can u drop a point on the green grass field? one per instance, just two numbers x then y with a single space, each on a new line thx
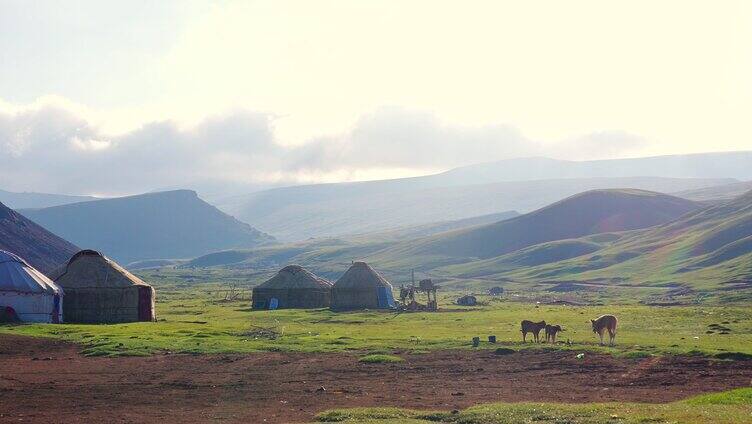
730 407
197 319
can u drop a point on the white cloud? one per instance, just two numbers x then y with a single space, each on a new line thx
48 147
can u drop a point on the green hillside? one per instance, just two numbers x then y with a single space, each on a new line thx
706 250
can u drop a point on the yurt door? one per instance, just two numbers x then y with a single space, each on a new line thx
56 309
144 304
386 300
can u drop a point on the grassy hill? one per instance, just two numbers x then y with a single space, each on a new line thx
173 224
592 212
42 249
707 250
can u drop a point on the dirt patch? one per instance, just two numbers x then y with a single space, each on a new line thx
293 387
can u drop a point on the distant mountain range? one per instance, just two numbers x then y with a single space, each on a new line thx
333 210
526 184
736 165
165 225
42 249
39 200
717 193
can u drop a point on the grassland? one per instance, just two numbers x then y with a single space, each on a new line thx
197 315
197 318
728 407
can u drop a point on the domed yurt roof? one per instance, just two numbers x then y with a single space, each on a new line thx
18 276
90 269
295 277
360 275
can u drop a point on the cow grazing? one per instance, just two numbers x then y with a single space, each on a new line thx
605 323
532 327
552 331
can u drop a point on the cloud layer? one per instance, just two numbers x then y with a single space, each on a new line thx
53 148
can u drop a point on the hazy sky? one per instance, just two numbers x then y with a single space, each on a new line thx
121 97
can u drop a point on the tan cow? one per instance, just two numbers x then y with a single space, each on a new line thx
531 327
603 323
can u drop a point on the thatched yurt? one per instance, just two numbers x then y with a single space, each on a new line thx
362 288
26 295
97 290
293 287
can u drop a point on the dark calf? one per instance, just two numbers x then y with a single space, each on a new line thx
532 327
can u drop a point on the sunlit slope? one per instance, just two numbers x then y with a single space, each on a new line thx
710 247
592 212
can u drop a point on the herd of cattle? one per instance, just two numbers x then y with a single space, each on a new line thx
601 325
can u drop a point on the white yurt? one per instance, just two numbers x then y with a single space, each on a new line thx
26 294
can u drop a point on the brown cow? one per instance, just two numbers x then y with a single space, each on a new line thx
603 323
532 327
551 331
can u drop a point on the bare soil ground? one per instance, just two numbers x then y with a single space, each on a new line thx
49 381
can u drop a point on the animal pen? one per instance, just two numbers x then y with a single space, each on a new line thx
408 295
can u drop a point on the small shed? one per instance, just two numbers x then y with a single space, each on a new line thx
495 291
467 300
292 287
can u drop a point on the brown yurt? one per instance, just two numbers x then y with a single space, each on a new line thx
361 287
292 287
98 290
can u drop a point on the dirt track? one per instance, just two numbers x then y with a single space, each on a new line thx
48 381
